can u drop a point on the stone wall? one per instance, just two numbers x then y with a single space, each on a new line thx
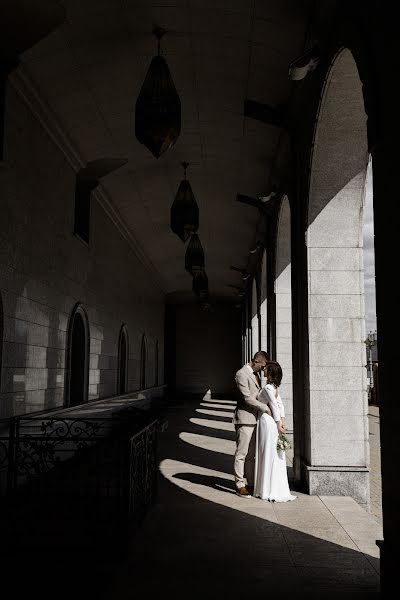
45 270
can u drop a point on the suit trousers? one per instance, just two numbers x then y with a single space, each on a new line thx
244 464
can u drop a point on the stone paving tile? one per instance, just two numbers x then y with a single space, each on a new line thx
356 522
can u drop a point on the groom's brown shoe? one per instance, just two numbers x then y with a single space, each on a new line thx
243 492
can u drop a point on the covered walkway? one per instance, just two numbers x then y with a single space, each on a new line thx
201 538
161 224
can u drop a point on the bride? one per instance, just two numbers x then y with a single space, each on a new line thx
271 481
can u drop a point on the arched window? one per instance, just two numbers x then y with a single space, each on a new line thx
143 361
123 354
156 367
77 358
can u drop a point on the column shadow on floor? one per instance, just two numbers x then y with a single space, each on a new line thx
190 545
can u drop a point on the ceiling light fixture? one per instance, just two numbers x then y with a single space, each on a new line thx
184 210
158 107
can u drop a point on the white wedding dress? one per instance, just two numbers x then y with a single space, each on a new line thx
271 480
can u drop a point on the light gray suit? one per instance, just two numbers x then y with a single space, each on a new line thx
245 421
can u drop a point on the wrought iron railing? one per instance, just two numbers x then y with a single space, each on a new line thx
100 472
35 445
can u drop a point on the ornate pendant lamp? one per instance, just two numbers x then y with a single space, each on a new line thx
184 210
194 257
158 107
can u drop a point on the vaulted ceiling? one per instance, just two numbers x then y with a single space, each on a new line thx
220 52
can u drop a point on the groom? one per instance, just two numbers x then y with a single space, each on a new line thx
248 386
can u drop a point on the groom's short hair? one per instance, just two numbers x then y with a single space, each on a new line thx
261 355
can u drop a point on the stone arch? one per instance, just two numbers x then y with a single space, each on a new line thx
335 448
77 366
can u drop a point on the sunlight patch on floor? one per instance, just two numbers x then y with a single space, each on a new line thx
214 413
222 425
215 405
217 400
209 443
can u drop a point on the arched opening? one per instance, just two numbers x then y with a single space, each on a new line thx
335 446
123 353
143 363
78 358
371 344
283 301
254 320
370 295
263 304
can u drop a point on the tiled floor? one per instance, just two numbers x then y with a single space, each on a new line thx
202 540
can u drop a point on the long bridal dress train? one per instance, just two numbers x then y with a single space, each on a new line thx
271 481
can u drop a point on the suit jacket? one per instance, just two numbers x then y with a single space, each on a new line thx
247 390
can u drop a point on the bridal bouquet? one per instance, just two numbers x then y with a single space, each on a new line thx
283 443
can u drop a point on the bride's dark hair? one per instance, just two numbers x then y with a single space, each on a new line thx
273 373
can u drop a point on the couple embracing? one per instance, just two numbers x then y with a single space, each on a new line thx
259 418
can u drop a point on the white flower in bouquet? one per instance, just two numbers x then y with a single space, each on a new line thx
283 443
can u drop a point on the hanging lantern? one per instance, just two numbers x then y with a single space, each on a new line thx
194 257
200 285
158 107
184 210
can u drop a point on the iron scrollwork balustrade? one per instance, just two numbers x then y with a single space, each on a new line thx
112 481
151 462
142 472
4 463
41 444
4 453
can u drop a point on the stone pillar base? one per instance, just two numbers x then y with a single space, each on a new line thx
338 481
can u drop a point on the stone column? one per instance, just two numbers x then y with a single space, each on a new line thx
283 295
336 457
